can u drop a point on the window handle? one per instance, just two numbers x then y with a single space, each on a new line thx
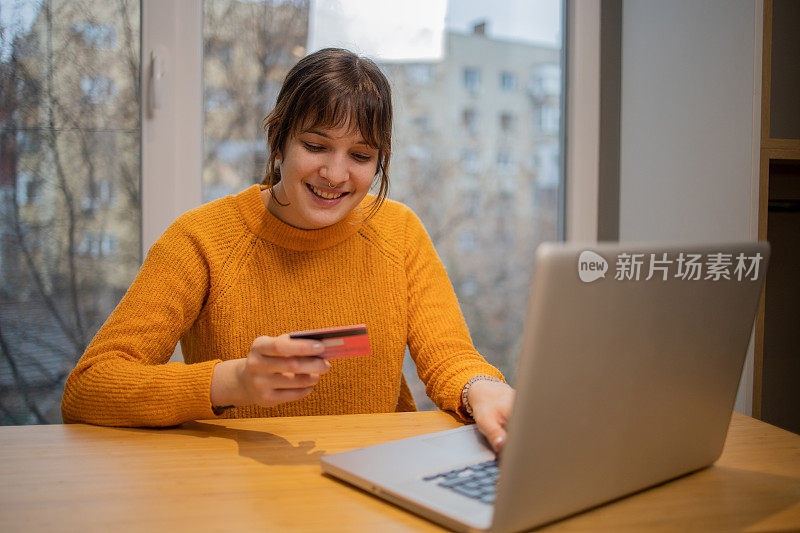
156 84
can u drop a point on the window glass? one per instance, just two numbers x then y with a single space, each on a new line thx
470 119
472 79
69 188
484 180
248 49
506 121
508 81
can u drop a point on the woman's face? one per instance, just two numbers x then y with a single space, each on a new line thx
310 163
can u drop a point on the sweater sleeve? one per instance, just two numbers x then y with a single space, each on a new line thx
123 378
438 338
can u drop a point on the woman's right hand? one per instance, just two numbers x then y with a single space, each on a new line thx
276 370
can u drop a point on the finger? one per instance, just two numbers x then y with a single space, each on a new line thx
289 395
287 346
494 432
267 364
295 381
283 346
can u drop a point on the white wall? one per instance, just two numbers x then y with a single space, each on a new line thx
691 72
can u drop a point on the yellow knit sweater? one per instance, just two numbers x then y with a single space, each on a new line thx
229 271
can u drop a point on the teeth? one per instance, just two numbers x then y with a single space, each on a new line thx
326 195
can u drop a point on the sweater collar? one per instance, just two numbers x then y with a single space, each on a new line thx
270 228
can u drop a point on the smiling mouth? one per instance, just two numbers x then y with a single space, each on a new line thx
324 195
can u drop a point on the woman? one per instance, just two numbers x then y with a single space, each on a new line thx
308 249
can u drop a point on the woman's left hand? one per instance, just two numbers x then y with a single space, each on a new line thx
491 403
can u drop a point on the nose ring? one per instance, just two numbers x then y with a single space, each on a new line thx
331 185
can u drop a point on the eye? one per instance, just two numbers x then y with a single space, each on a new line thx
362 157
311 147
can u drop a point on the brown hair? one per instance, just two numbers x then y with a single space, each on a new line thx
334 88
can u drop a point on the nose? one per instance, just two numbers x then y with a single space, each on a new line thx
335 170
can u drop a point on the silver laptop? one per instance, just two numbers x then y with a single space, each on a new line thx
629 367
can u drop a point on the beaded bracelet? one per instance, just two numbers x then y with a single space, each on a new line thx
464 395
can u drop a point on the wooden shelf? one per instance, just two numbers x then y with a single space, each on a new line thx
778 67
786 144
781 148
780 153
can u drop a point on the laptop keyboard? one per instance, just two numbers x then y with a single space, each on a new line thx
477 481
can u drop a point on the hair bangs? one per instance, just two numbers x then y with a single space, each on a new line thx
355 109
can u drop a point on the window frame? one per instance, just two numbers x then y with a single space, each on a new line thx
172 134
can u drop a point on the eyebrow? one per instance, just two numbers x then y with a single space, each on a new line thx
322 134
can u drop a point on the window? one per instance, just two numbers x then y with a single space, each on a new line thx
96 195
546 81
28 188
470 120
508 81
28 140
472 79
216 48
505 162
420 73
95 60
547 165
101 36
97 244
476 85
423 123
470 162
549 117
64 267
506 121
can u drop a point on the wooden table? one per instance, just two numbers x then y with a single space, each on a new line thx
264 475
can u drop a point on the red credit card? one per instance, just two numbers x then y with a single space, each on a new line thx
344 341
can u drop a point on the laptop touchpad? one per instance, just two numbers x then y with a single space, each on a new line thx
466 441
